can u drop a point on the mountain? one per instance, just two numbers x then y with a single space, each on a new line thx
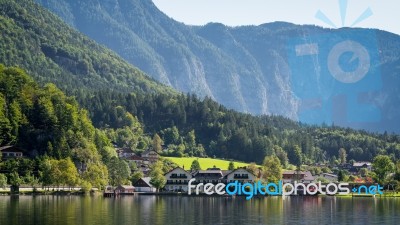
41 43
128 108
251 69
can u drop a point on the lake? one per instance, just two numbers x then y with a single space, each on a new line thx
174 210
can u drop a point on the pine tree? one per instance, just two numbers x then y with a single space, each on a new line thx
231 166
195 165
157 143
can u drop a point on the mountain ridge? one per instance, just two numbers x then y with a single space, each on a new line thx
246 68
63 53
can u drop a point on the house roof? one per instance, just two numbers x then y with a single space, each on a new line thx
178 167
213 168
148 151
226 172
208 171
126 187
146 180
10 148
329 175
307 174
124 150
232 171
5 147
291 172
360 164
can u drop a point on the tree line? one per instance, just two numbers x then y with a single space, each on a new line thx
192 126
50 124
63 148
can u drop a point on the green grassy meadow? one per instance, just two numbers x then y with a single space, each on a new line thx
204 162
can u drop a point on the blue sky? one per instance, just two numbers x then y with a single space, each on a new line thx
385 13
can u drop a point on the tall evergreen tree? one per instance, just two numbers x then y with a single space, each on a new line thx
195 165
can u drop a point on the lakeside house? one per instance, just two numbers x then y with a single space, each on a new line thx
177 180
211 175
144 185
11 152
125 189
216 176
241 175
300 176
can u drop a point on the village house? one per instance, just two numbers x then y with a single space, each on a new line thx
143 185
216 176
241 175
211 175
346 166
291 176
139 161
177 180
124 152
142 164
150 155
11 152
356 167
124 189
145 170
360 165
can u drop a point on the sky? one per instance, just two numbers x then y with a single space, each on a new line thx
380 14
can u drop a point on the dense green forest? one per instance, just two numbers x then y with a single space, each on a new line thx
61 145
41 43
228 134
53 129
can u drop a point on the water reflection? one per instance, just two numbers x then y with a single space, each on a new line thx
165 210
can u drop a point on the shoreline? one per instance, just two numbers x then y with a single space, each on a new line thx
177 194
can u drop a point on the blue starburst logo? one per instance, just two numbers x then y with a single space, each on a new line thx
343 5
334 75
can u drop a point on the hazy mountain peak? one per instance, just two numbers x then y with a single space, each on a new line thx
245 68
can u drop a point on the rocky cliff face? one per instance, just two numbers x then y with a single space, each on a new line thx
252 69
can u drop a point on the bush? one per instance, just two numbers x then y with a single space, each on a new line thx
86 187
3 181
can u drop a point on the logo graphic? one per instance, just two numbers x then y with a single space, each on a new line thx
343 4
335 75
373 189
359 52
272 189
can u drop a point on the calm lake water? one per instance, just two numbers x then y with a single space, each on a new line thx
172 210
